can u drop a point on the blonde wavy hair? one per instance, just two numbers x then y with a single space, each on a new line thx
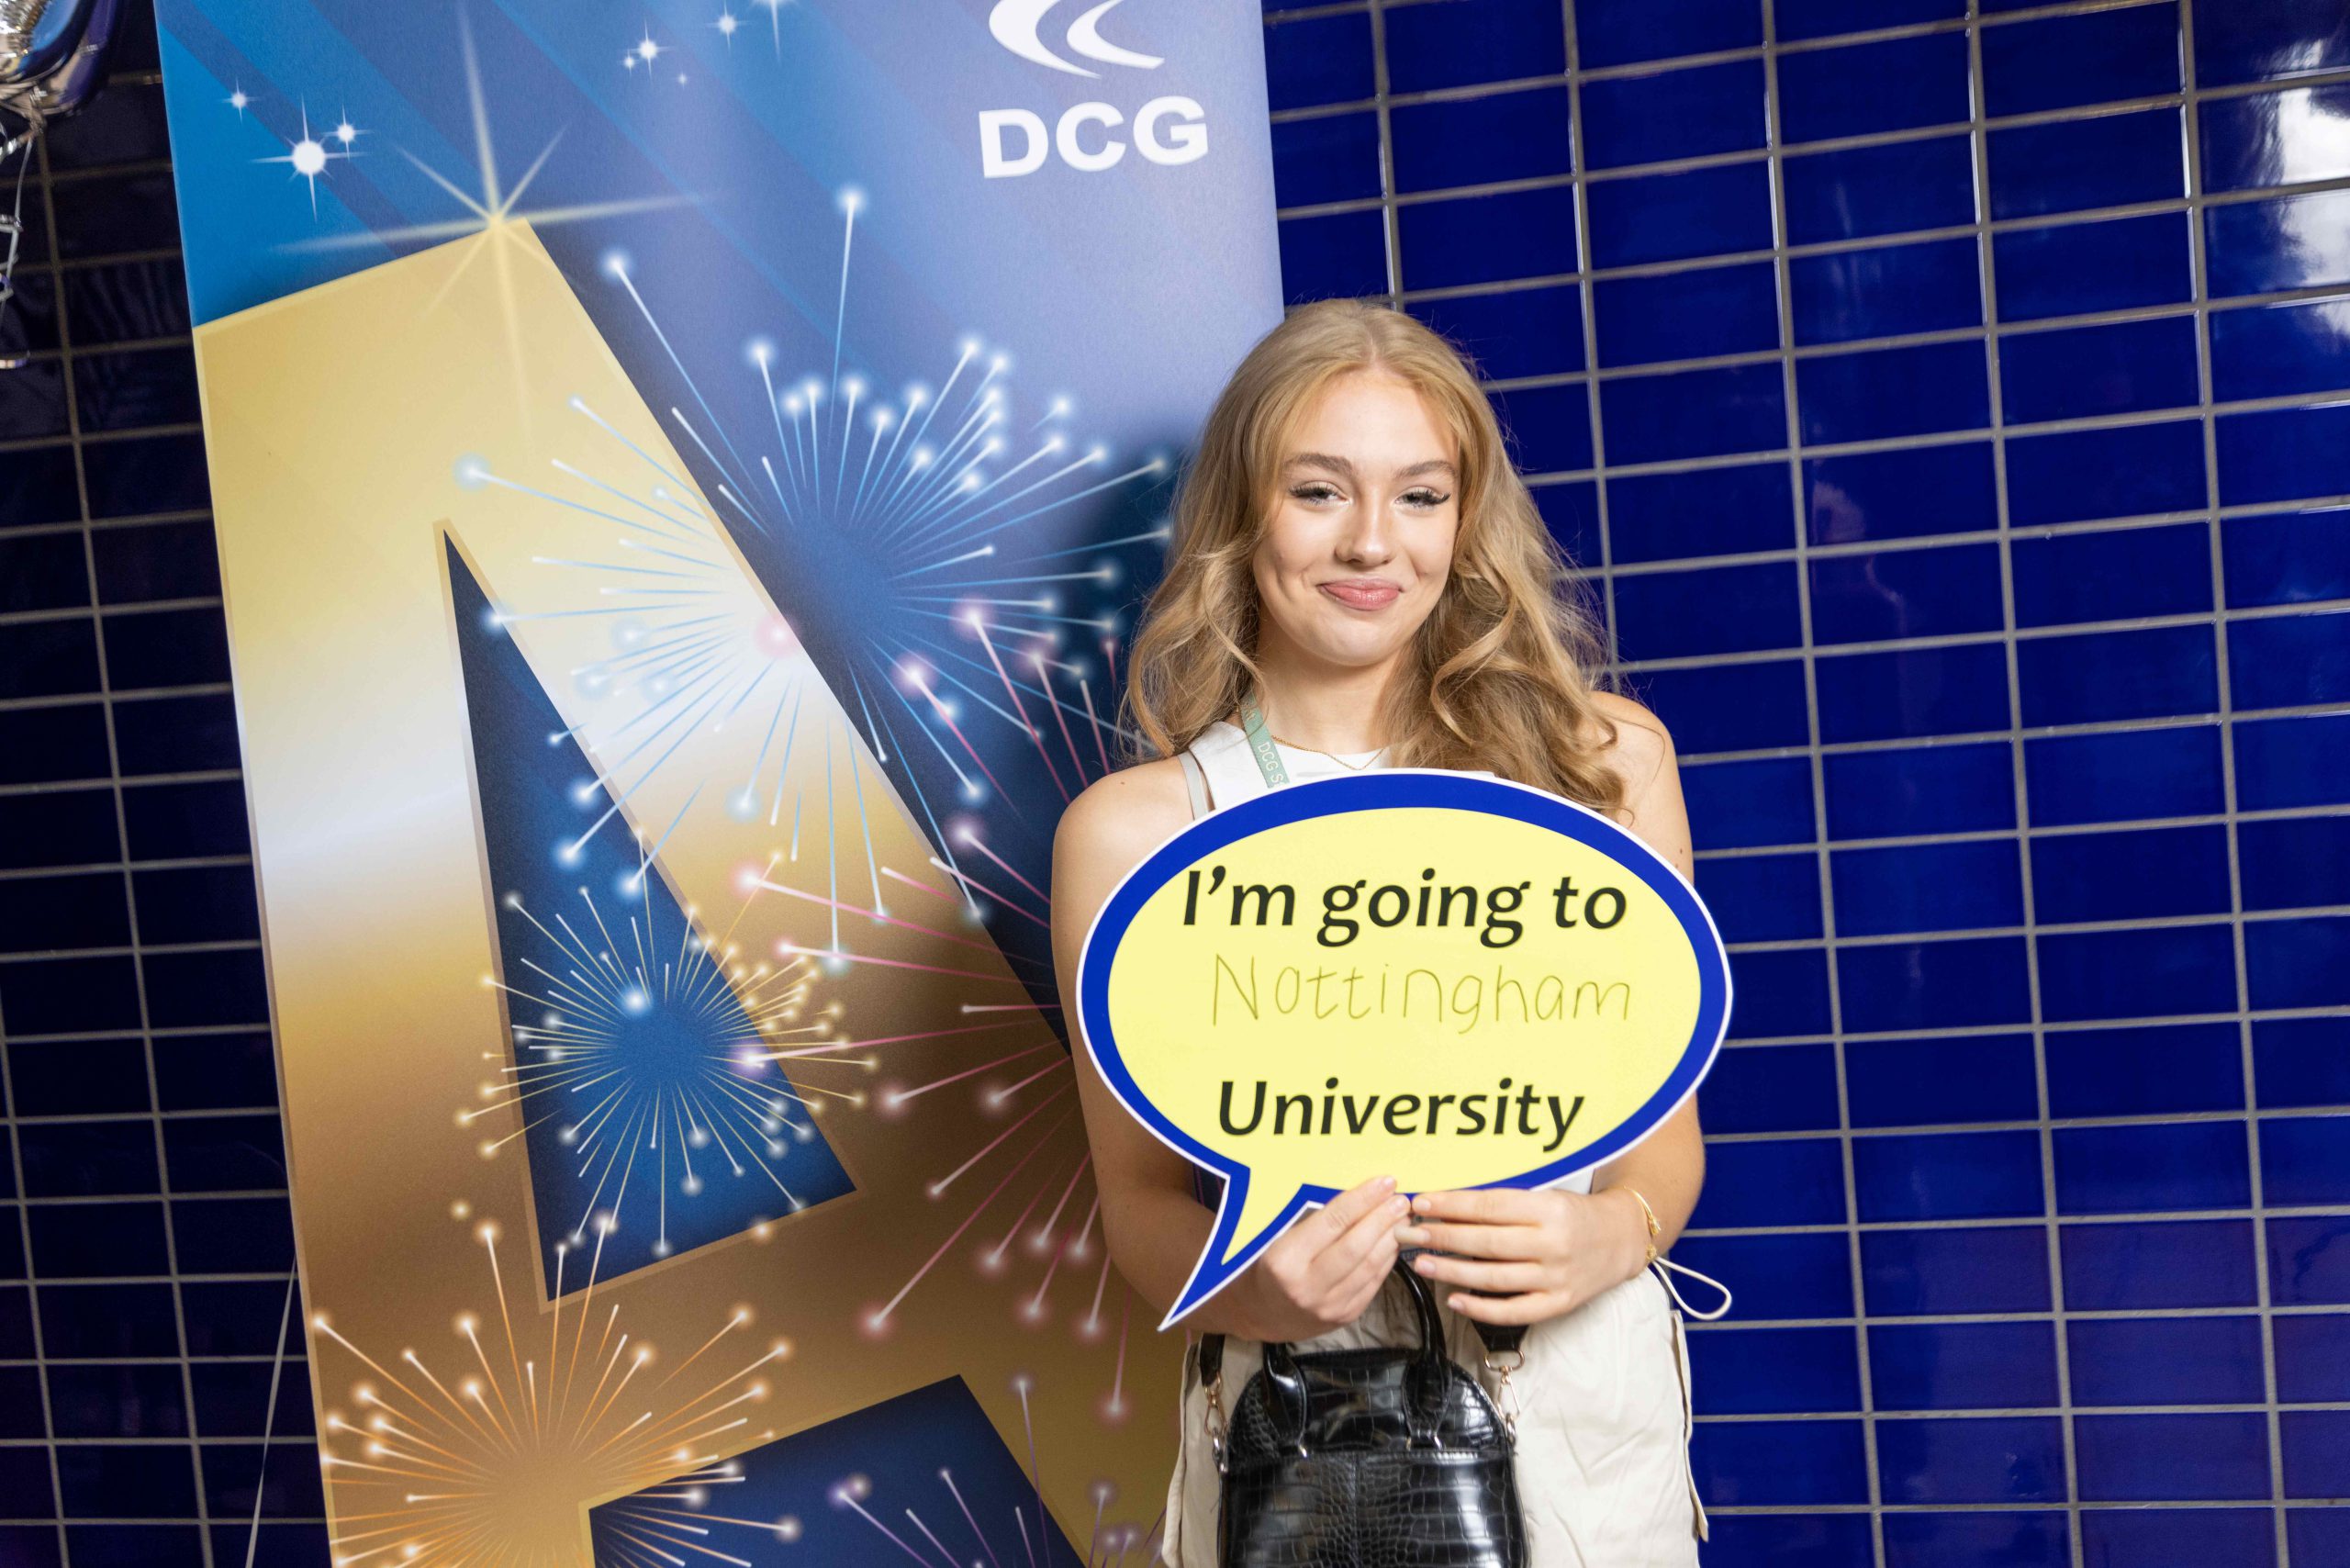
1504 666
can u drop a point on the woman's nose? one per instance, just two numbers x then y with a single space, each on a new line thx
1369 534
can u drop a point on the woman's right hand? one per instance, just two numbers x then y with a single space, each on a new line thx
1321 1272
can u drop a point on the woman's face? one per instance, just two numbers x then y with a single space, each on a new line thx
1360 543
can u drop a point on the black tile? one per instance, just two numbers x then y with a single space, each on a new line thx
183 821
31 320
78 1241
163 560
112 213
84 909
232 1400
225 1154
233 1235
193 990
59 827
87 1159
38 486
146 474
94 1399
16 1321
21 1411
167 647
290 1487
69 996
137 45
291 1543
48 658
32 400
43 571
135 1546
122 124
98 1321
216 1072
24 1481
78 1077
196 903
42 745
240 1317
133 389
122 1480
117 302
175 735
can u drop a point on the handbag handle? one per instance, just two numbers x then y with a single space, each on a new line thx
1499 1339
1280 1371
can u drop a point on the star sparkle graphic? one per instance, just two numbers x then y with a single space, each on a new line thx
308 156
493 208
774 8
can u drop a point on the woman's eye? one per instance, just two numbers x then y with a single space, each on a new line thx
1426 499
1314 493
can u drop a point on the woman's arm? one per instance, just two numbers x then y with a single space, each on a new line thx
1668 1168
1544 1253
1322 1272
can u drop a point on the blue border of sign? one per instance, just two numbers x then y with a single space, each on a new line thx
1380 790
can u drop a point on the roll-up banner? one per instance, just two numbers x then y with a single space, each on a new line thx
685 475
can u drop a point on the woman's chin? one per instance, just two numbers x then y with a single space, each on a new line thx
1351 652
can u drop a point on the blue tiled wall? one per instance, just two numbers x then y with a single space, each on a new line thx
1953 413
1951 399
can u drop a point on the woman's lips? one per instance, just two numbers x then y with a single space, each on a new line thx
1362 596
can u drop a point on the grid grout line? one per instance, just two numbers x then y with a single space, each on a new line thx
1979 170
1783 295
131 894
2198 273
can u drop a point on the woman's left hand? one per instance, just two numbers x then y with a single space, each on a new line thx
1536 1254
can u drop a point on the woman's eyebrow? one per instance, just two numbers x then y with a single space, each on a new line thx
1341 465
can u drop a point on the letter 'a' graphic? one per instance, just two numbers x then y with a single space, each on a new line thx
383 456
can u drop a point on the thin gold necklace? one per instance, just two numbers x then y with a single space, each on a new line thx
1333 757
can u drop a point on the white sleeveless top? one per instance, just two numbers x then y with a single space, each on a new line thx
1604 1424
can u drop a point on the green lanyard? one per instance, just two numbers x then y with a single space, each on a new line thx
1260 743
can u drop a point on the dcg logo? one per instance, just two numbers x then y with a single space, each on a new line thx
1169 129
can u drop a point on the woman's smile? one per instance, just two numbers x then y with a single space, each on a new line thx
1362 593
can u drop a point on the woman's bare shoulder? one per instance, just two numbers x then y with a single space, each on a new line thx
1121 817
1643 744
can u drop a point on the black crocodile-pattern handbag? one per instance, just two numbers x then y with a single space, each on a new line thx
1384 1456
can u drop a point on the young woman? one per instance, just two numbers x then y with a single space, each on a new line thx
1353 548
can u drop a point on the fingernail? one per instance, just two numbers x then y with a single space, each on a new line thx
1398 1207
1421 1203
1423 1265
1387 1184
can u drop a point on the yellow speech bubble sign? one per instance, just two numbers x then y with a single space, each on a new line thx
1452 980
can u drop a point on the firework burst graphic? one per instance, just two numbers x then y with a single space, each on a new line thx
484 1467
656 1069
979 660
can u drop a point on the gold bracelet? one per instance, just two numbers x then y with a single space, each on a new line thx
1655 1229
